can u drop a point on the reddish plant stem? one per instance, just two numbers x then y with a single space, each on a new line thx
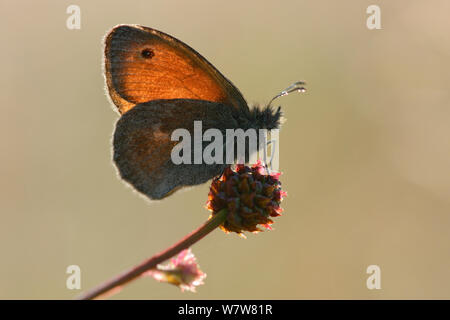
158 258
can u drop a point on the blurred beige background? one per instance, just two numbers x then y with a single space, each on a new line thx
364 154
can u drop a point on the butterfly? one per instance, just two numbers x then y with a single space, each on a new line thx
160 84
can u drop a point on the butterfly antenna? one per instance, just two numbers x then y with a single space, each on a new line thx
297 86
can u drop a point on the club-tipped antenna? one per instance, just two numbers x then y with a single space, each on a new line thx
295 87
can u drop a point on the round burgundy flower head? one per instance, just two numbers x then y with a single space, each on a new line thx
251 196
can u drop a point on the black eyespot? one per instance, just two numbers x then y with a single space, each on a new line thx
147 53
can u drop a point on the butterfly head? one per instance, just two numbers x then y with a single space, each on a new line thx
267 117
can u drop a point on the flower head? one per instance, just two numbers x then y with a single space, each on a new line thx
251 196
182 271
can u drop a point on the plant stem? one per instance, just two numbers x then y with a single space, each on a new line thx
158 258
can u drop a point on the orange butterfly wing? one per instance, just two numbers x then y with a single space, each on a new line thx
142 64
